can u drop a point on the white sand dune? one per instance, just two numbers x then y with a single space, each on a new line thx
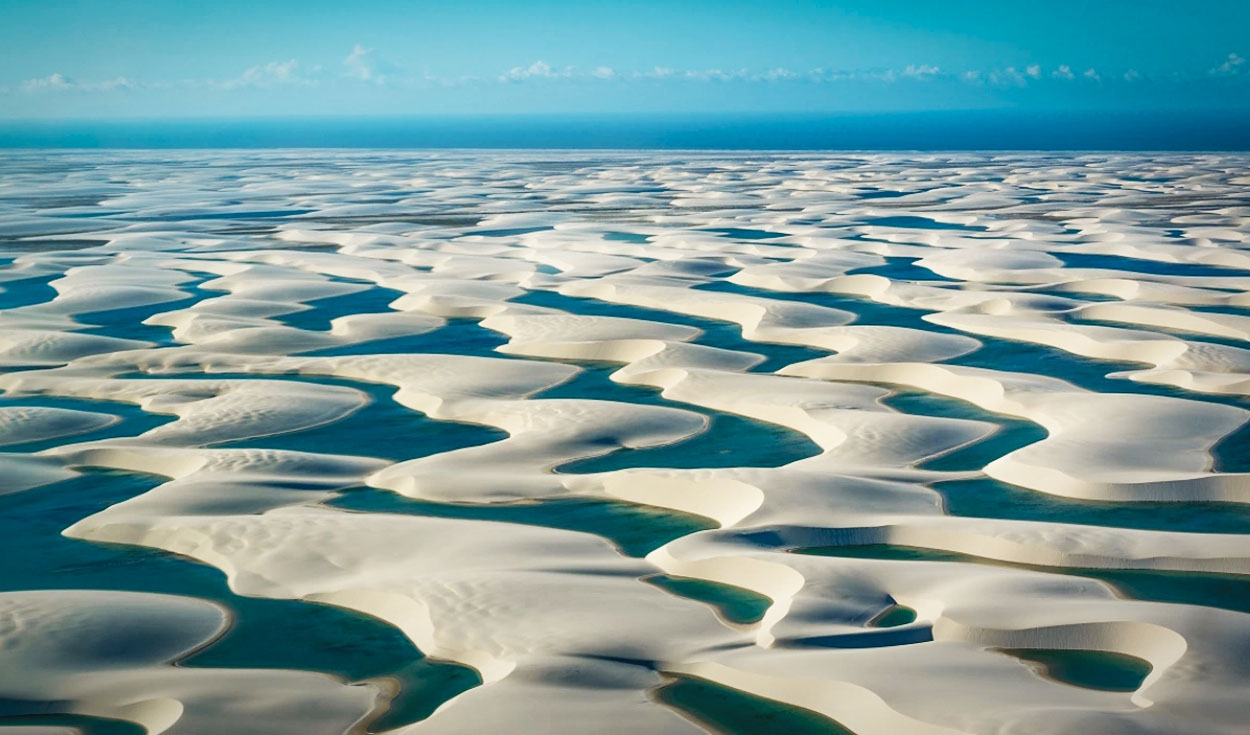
792 348
109 654
20 424
1100 446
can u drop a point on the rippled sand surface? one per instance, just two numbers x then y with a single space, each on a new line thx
459 442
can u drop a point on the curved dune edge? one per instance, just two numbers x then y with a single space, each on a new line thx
1100 446
61 655
23 424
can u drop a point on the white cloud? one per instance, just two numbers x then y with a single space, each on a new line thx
776 75
719 75
273 74
1232 65
923 71
54 82
361 66
116 83
1009 77
821 74
538 70
658 72
57 82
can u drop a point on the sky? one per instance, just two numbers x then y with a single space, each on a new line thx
62 59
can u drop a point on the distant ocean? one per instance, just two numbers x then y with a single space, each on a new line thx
980 130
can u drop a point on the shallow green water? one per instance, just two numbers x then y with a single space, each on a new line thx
1199 338
893 616
86 724
133 420
735 604
320 312
901 269
26 291
1012 432
921 223
989 498
457 337
732 712
1150 267
382 428
1232 454
127 322
385 429
1225 591
723 334
636 530
728 441
1103 670
742 233
264 633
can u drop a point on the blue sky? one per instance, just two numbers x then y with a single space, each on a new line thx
132 58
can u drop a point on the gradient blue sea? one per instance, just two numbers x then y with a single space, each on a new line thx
947 130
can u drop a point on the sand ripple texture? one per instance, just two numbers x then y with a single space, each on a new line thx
624 443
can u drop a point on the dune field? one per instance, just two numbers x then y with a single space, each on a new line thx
473 442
